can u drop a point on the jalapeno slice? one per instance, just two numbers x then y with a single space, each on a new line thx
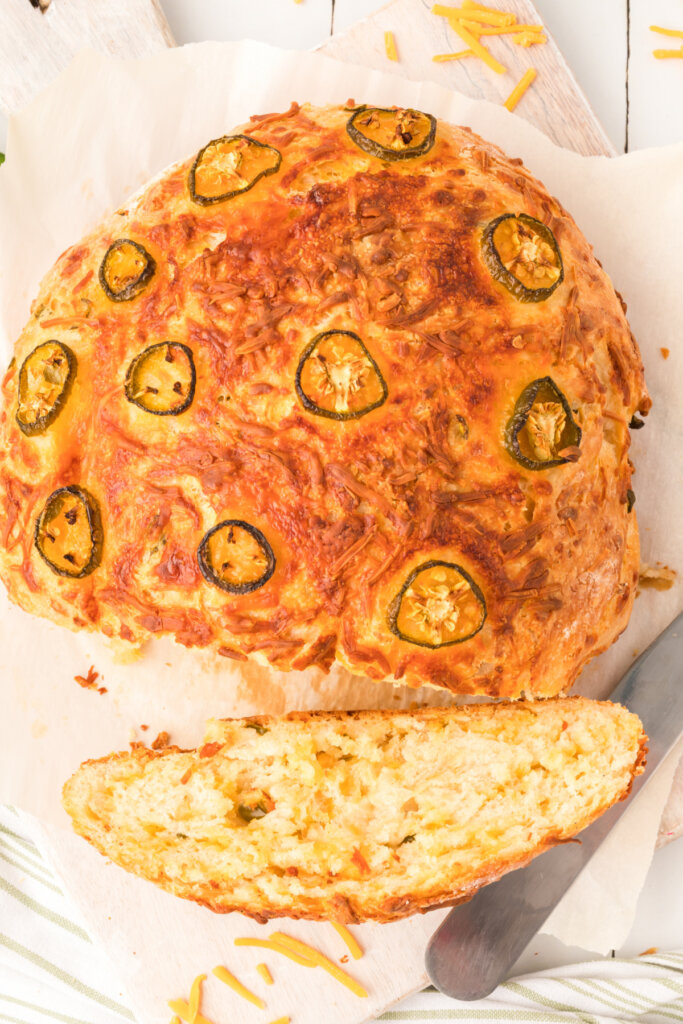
437 606
542 431
236 557
521 253
338 378
228 166
68 532
126 269
255 805
161 379
45 379
398 134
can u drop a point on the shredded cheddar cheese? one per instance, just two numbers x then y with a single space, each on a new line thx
182 1010
195 997
472 21
485 17
319 960
265 973
354 949
664 54
281 1020
268 944
439 57
519 90
675 32
529 39
476 47
228 979
390 46
306 956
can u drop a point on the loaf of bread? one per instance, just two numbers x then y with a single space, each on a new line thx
356 816
346 385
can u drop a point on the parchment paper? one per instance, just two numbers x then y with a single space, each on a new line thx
75 154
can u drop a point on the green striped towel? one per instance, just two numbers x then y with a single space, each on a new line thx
50 971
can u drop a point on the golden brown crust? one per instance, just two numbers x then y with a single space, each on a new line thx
605 735
392 251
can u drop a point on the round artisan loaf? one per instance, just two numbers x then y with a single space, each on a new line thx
349 383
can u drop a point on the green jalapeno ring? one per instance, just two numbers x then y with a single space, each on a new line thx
331 414
138 284
571 431
137 366
94 522
376 149
504 276
395 606
41 423
209 572
203 200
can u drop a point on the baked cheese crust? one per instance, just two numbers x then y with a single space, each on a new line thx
353 337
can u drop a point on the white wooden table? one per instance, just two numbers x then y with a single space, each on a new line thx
639 101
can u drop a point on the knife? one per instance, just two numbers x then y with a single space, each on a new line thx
474 948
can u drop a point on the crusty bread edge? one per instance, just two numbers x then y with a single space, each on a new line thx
339 908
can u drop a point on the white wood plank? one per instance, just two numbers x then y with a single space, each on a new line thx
655 86
35 47
593 39
280 22
555 103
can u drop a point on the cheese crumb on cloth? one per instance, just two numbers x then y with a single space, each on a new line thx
50 970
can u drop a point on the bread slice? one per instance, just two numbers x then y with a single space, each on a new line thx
356 816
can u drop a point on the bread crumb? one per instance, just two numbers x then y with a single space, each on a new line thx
665 353
648 952
161 741
655 577
88 682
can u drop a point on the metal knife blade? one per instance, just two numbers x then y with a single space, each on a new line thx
475 947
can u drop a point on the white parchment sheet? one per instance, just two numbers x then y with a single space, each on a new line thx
75 154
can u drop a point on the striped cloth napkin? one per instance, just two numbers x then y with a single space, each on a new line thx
51 971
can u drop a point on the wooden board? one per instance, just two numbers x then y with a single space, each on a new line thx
35 45
555 103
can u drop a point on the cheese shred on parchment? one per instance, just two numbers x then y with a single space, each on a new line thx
265 973
224 975
306 956
519 90
664 54
353 947
195 996
390 46
182 1009
675 32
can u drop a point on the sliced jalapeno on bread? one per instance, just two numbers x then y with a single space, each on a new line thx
45 379
437 606
236 557
338 378
161 379
542 431
395 134
255 805
68 532
126 270
521 253
228 166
